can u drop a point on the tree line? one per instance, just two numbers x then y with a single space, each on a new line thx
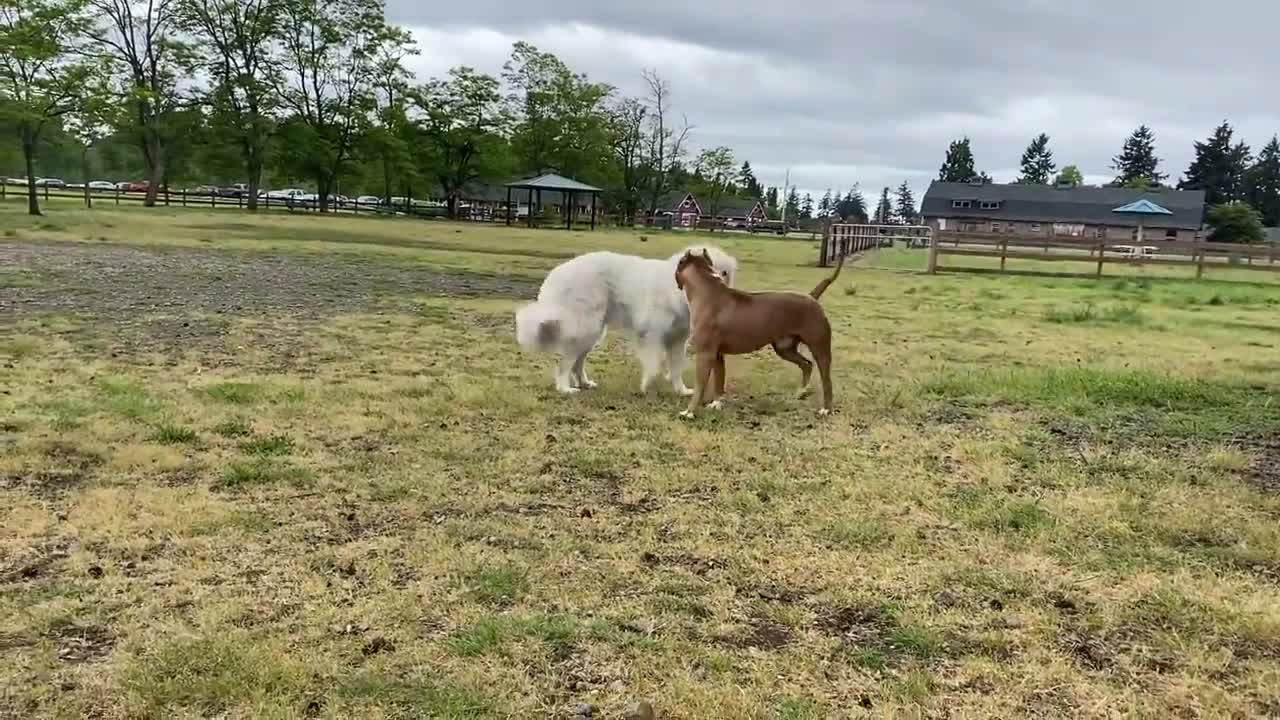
1242 191
319 92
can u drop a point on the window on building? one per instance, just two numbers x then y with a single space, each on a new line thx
1100 232
1171 234
989 205
1035 227
961 204
995 227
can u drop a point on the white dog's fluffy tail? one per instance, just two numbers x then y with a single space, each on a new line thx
538 326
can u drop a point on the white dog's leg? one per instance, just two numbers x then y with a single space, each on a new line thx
564 375
580 373
649 353
675 368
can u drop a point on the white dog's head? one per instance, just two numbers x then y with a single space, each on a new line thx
723 262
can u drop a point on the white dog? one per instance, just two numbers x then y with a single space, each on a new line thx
584 296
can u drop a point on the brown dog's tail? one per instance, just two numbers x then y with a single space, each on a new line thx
826 283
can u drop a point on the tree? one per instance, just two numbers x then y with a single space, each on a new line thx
716 172
906 205
884 211
1264 184
826 205
1235 223
392 139
629 145
806 207
853 206
750 185
139 35
1219 168
1069 177
771 200
463 127
666 143
234 48
560 115
1037 162
43 74
328 67
958 166
1137 160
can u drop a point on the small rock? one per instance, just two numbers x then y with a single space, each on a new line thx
865 702
585 710
95 572
642 710
584 512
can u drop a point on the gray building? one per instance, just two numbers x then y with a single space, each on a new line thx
1049 211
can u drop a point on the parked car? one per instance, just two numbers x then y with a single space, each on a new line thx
769 226
368 200
123 186
102 185
138 186
235 191
15 181
285 194
203 190
50 182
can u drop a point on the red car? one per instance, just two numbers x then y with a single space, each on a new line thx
140 186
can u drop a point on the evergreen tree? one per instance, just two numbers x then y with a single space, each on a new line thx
906 207
884 211
1137 160
771 199
825 205
750 185
1219 168
1070 176
806 207
1235 222
1037 162
958 167
853 207
1264 184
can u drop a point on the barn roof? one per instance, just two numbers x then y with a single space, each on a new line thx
1045 203
552 181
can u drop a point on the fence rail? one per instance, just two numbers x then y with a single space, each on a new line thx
1101 252
844 239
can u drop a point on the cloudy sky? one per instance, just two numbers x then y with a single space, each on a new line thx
872 91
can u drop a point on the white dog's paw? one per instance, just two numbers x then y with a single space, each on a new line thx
684 392
686 414
569 390
588 384
715 405
824 412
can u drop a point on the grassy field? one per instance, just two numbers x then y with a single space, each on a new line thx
295 467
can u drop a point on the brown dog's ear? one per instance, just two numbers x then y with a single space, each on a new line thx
706 254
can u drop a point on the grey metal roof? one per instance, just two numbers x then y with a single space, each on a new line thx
552 181
1273 234
1045 203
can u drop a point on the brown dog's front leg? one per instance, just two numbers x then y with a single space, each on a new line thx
701 380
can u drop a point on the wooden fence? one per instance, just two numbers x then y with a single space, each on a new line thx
1100 252
844 239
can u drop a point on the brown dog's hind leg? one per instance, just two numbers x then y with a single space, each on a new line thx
792 355
821 349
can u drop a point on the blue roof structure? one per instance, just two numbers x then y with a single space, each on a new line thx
1143 207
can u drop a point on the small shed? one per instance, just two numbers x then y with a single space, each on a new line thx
554 183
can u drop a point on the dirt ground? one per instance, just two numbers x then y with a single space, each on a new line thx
176 298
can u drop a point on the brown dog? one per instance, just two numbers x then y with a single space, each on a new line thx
724 321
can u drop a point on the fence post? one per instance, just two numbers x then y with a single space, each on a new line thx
166 194
1200 262
46 193
181 198
826 245
1102 251
933 255
1004 251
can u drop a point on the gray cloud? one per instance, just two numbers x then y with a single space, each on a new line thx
872 91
